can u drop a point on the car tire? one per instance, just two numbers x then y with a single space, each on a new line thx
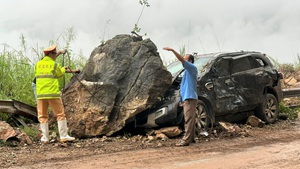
268 110
203 119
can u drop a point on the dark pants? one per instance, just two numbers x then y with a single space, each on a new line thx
189 110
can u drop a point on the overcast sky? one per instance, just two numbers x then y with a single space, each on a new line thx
203 26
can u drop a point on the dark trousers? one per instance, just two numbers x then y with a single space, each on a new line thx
189 110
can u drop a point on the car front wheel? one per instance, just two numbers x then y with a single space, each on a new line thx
202 118
268 110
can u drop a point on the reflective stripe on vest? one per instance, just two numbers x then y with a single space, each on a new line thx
46 76
48 96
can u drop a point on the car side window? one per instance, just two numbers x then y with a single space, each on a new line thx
254 62
222 67
262 63
240 64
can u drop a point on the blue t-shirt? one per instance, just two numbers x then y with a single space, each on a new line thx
188 86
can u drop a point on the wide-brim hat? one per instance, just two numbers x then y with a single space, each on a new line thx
49 49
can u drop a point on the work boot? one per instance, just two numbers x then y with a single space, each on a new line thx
63 131
45 133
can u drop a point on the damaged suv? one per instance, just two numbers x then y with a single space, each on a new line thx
231 86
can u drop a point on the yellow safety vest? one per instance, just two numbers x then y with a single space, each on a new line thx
47 73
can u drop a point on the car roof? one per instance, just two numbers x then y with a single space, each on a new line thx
213 56
230 54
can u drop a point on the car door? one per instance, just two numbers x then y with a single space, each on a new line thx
225 93
262 79
247 77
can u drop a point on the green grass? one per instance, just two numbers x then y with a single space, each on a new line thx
17 67
4 116
291 113
17 74
7 144
31 132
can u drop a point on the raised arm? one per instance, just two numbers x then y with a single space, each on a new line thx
179 57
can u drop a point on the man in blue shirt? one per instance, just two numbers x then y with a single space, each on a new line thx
188 95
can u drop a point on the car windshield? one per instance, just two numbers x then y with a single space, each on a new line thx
199 62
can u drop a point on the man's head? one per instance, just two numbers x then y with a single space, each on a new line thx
50 50
189 58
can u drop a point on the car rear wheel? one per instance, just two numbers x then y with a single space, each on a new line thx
268 110
202 118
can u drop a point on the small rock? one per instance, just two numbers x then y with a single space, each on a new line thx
151 138
255 122
162 136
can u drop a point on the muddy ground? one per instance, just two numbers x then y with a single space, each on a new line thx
273 146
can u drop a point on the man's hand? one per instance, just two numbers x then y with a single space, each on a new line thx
67 69
180 104
63 51
76 71
168 49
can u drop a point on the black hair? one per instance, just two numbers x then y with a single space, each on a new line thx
191 58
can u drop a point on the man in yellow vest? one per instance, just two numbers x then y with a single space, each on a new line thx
47 73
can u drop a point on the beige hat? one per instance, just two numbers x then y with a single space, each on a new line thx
49 49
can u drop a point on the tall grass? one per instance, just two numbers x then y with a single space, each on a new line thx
16 74
17 66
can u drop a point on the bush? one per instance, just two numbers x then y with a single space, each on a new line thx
286 68
291 113
4 116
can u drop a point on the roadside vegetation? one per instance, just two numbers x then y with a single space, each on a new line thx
17 73
288 69
17 66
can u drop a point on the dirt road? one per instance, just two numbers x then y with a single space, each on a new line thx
276 146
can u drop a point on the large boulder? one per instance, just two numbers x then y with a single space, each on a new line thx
122 78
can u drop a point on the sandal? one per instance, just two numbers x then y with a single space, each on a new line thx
182 143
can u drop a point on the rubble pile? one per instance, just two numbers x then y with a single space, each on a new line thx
291 80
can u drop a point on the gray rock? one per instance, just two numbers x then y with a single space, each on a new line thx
122 78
